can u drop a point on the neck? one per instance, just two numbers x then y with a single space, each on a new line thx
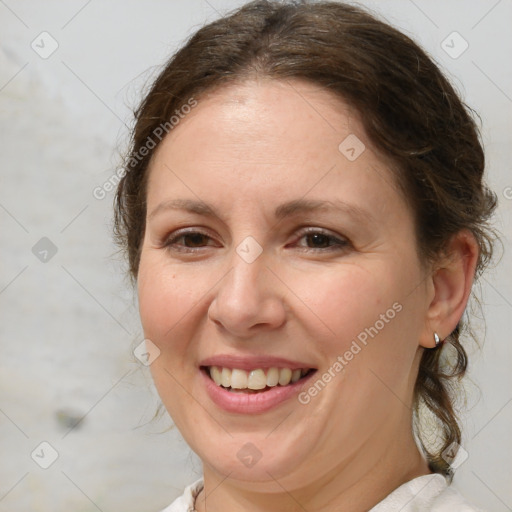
354 485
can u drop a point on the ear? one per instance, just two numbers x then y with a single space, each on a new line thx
451 283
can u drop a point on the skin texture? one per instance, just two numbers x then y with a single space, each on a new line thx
246 149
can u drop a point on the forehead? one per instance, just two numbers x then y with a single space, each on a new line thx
256 117
258 139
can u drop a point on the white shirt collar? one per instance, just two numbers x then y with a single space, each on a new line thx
424 493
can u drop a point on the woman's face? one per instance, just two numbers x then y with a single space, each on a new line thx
276 242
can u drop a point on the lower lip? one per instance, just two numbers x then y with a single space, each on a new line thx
251 403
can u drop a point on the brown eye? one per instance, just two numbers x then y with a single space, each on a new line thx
194 239
317 240
188 241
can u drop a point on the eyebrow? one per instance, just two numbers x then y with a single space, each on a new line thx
288 209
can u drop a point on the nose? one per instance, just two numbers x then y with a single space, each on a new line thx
248 299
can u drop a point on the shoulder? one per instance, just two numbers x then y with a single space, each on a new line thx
185 502
425 493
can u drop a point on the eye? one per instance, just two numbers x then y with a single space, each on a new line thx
190 241
321 240
315 240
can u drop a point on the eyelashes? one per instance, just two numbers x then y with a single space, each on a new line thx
194 236
322 237
195 241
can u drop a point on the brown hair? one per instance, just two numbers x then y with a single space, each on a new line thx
409 111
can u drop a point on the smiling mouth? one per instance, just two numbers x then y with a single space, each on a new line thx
254 381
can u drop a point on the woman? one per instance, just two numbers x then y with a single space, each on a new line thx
304 216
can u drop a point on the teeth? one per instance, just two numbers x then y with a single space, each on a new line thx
216 375
238 379
296 375
255 379
226 377
272 377
285 376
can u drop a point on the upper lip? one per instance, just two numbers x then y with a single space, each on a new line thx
252 362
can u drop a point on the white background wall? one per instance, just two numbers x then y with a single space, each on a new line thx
68 325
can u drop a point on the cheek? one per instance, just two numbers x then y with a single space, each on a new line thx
373 323
375 326
168 299
166 296
344 300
